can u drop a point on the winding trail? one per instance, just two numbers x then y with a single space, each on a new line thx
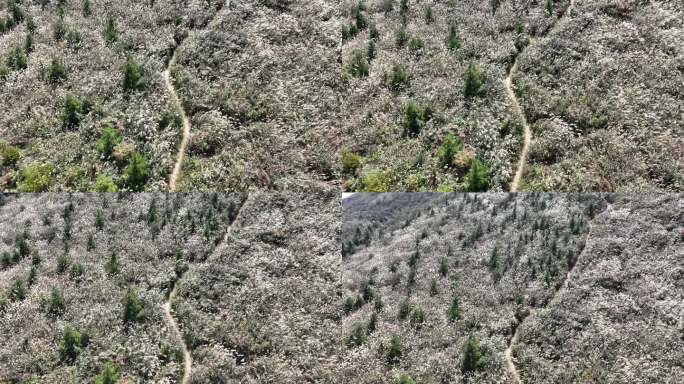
508 84
187 358
527 136
508 354
184 117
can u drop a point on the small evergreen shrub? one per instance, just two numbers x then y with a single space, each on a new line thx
474 82
359 67
109 139
454 310
477 179
71 344
351 162
472 356
110 32
394 351
134 76
109 375
56 71
137 172
358 336
105 183
415 118
56 305
133 307
451 146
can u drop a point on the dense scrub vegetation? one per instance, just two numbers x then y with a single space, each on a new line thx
435 75
69 70
602 93
91 272
437 285
261 84
368 95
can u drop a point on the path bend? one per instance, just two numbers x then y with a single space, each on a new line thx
185 138
527 135
173 325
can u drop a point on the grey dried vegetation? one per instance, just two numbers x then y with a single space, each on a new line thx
366 95
85 281
513 288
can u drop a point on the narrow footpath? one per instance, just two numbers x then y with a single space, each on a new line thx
527 135
508 354
185 138
187 358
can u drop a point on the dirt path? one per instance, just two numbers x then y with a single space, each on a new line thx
184 117
508 354
187 358
508 84
186 122
527 136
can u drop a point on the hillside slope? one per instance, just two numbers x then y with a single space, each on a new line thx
525 273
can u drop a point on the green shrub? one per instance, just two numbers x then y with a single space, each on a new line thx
133 307
77 270
417 316
63 263
358 336
359 67
74 38
378 181
35 178
451 146
109 139
403 7
87 7
454 39
134 76
72 112
18 59
350 163
105 183
401 37
472 356
28 43
549 7
137 172
394 351
416 44
59 29
474 82
454 310
415 118
398 79
56 305
110 32
429 15
18 290
371 50
477 179
113 266
433 287
405 379
71 344
56 71
109 375
443 266
9 155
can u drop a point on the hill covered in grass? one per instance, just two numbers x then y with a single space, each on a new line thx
531 288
